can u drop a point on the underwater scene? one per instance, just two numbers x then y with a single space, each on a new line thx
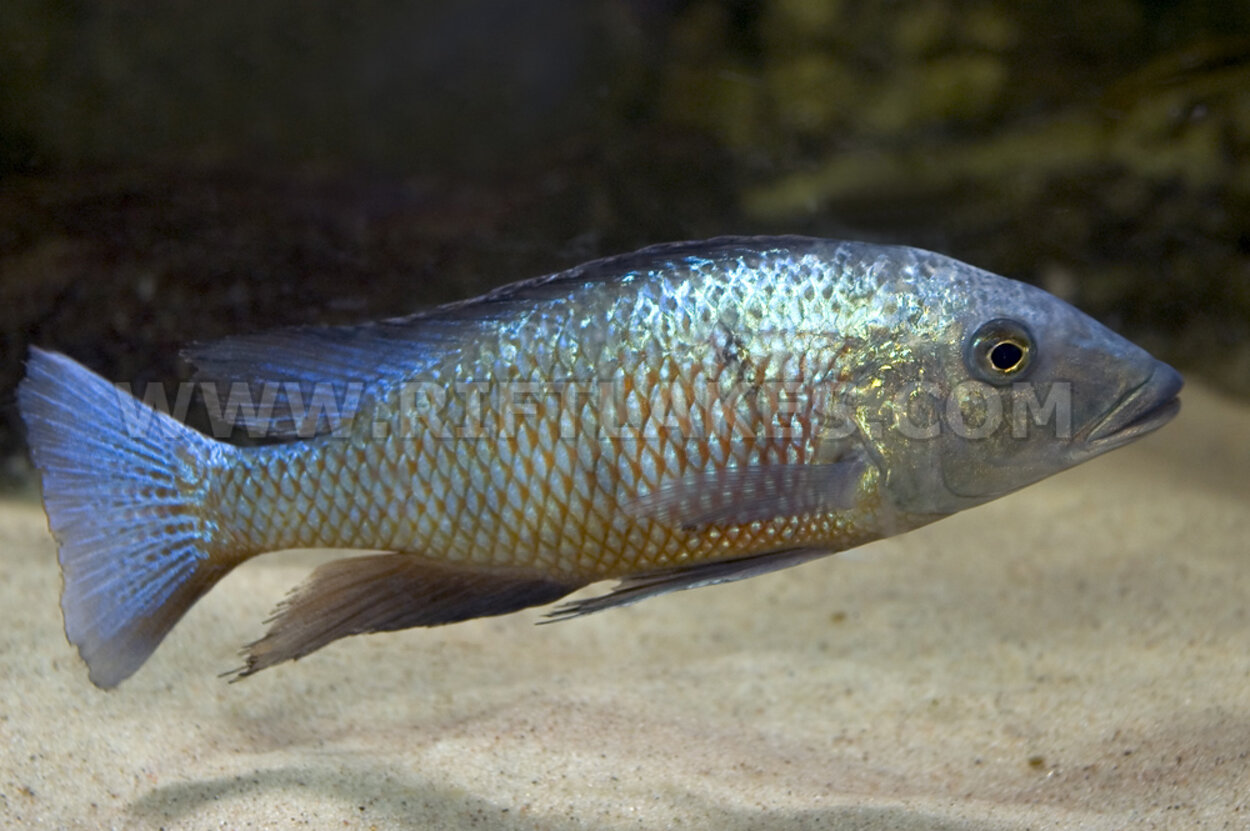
806 277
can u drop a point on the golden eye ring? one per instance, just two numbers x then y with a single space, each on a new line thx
1000 351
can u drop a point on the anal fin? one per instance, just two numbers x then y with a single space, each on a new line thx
385 592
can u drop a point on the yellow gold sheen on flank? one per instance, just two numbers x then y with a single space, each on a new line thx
535 500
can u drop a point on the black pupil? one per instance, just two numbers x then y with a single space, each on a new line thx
1006 356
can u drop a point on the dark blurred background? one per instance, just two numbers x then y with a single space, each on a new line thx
178 171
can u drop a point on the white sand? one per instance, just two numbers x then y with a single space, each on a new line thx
1074 656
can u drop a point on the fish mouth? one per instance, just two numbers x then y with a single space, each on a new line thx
1145 408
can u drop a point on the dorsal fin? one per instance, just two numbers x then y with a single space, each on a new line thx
352 364
668 257
404 344
358 362
360 353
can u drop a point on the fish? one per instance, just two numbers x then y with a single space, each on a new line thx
688 414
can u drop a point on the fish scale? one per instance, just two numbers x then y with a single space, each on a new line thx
685 415
506 484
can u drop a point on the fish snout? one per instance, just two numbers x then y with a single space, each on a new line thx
1144 409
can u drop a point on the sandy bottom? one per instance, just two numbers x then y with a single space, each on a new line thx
1074 656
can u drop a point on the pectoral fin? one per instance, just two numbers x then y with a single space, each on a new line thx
385 592
641 586
750 493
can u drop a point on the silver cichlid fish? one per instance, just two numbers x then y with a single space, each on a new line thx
684 415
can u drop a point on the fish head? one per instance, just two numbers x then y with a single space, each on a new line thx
1005 385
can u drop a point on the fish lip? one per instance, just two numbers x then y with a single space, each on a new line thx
1144 409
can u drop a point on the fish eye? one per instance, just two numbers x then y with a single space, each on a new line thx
1000 351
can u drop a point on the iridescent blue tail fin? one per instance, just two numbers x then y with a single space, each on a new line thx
124 488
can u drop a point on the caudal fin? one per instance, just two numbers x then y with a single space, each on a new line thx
124 488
